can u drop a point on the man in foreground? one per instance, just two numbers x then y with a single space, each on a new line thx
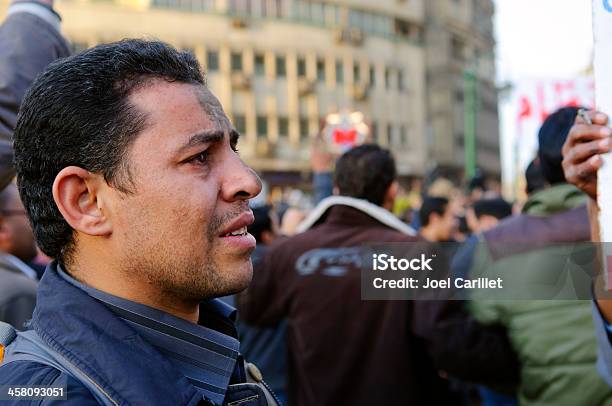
128 168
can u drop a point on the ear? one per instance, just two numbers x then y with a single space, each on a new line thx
77 195
390 195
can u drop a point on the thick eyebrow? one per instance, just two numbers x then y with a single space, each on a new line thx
205 137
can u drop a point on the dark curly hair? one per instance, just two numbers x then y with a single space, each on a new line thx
365 172
78 113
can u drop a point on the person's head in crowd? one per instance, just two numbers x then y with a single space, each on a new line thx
127 166
441 187
367 172
437 219
477 186
534 178
551 137
265 228
462 231
484 214
16 237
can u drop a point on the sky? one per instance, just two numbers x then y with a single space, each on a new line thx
543 38
537 39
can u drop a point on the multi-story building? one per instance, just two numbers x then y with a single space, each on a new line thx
462 113
280 66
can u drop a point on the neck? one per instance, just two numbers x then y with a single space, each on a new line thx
114 282
429 233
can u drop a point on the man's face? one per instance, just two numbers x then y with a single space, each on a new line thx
190 190
16 236
447 224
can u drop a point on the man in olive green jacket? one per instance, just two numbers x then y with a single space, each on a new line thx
554 339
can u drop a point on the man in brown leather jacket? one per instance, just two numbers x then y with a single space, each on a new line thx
342 350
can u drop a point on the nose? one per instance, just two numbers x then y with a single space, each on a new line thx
240 181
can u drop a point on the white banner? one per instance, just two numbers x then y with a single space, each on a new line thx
531 101
602 35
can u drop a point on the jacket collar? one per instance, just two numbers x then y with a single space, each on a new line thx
376 212
554 199
106 349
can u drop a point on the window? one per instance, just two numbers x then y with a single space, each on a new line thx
458 49
372 76
339 73
278 8
387 78
262 126
400 81
240 123
303 128
236 61
390 140
301 67
374 129
318 13
459 95
404 136
212 61
401 27
283 126
356 73
332 15
281 67
321 70
260 65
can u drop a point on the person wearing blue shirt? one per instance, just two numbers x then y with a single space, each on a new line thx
128 168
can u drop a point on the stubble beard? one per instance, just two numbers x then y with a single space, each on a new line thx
190 277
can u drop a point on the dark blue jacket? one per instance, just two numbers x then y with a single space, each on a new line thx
105 348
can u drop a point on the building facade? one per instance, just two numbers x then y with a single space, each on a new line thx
280 66
462 112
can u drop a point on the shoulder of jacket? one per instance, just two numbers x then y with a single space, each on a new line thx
17 282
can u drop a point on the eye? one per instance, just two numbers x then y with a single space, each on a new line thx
201 158
234 145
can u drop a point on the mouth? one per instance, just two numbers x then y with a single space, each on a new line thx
235 236
238 227
241 232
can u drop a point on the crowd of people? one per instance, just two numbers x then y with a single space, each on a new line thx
129 237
